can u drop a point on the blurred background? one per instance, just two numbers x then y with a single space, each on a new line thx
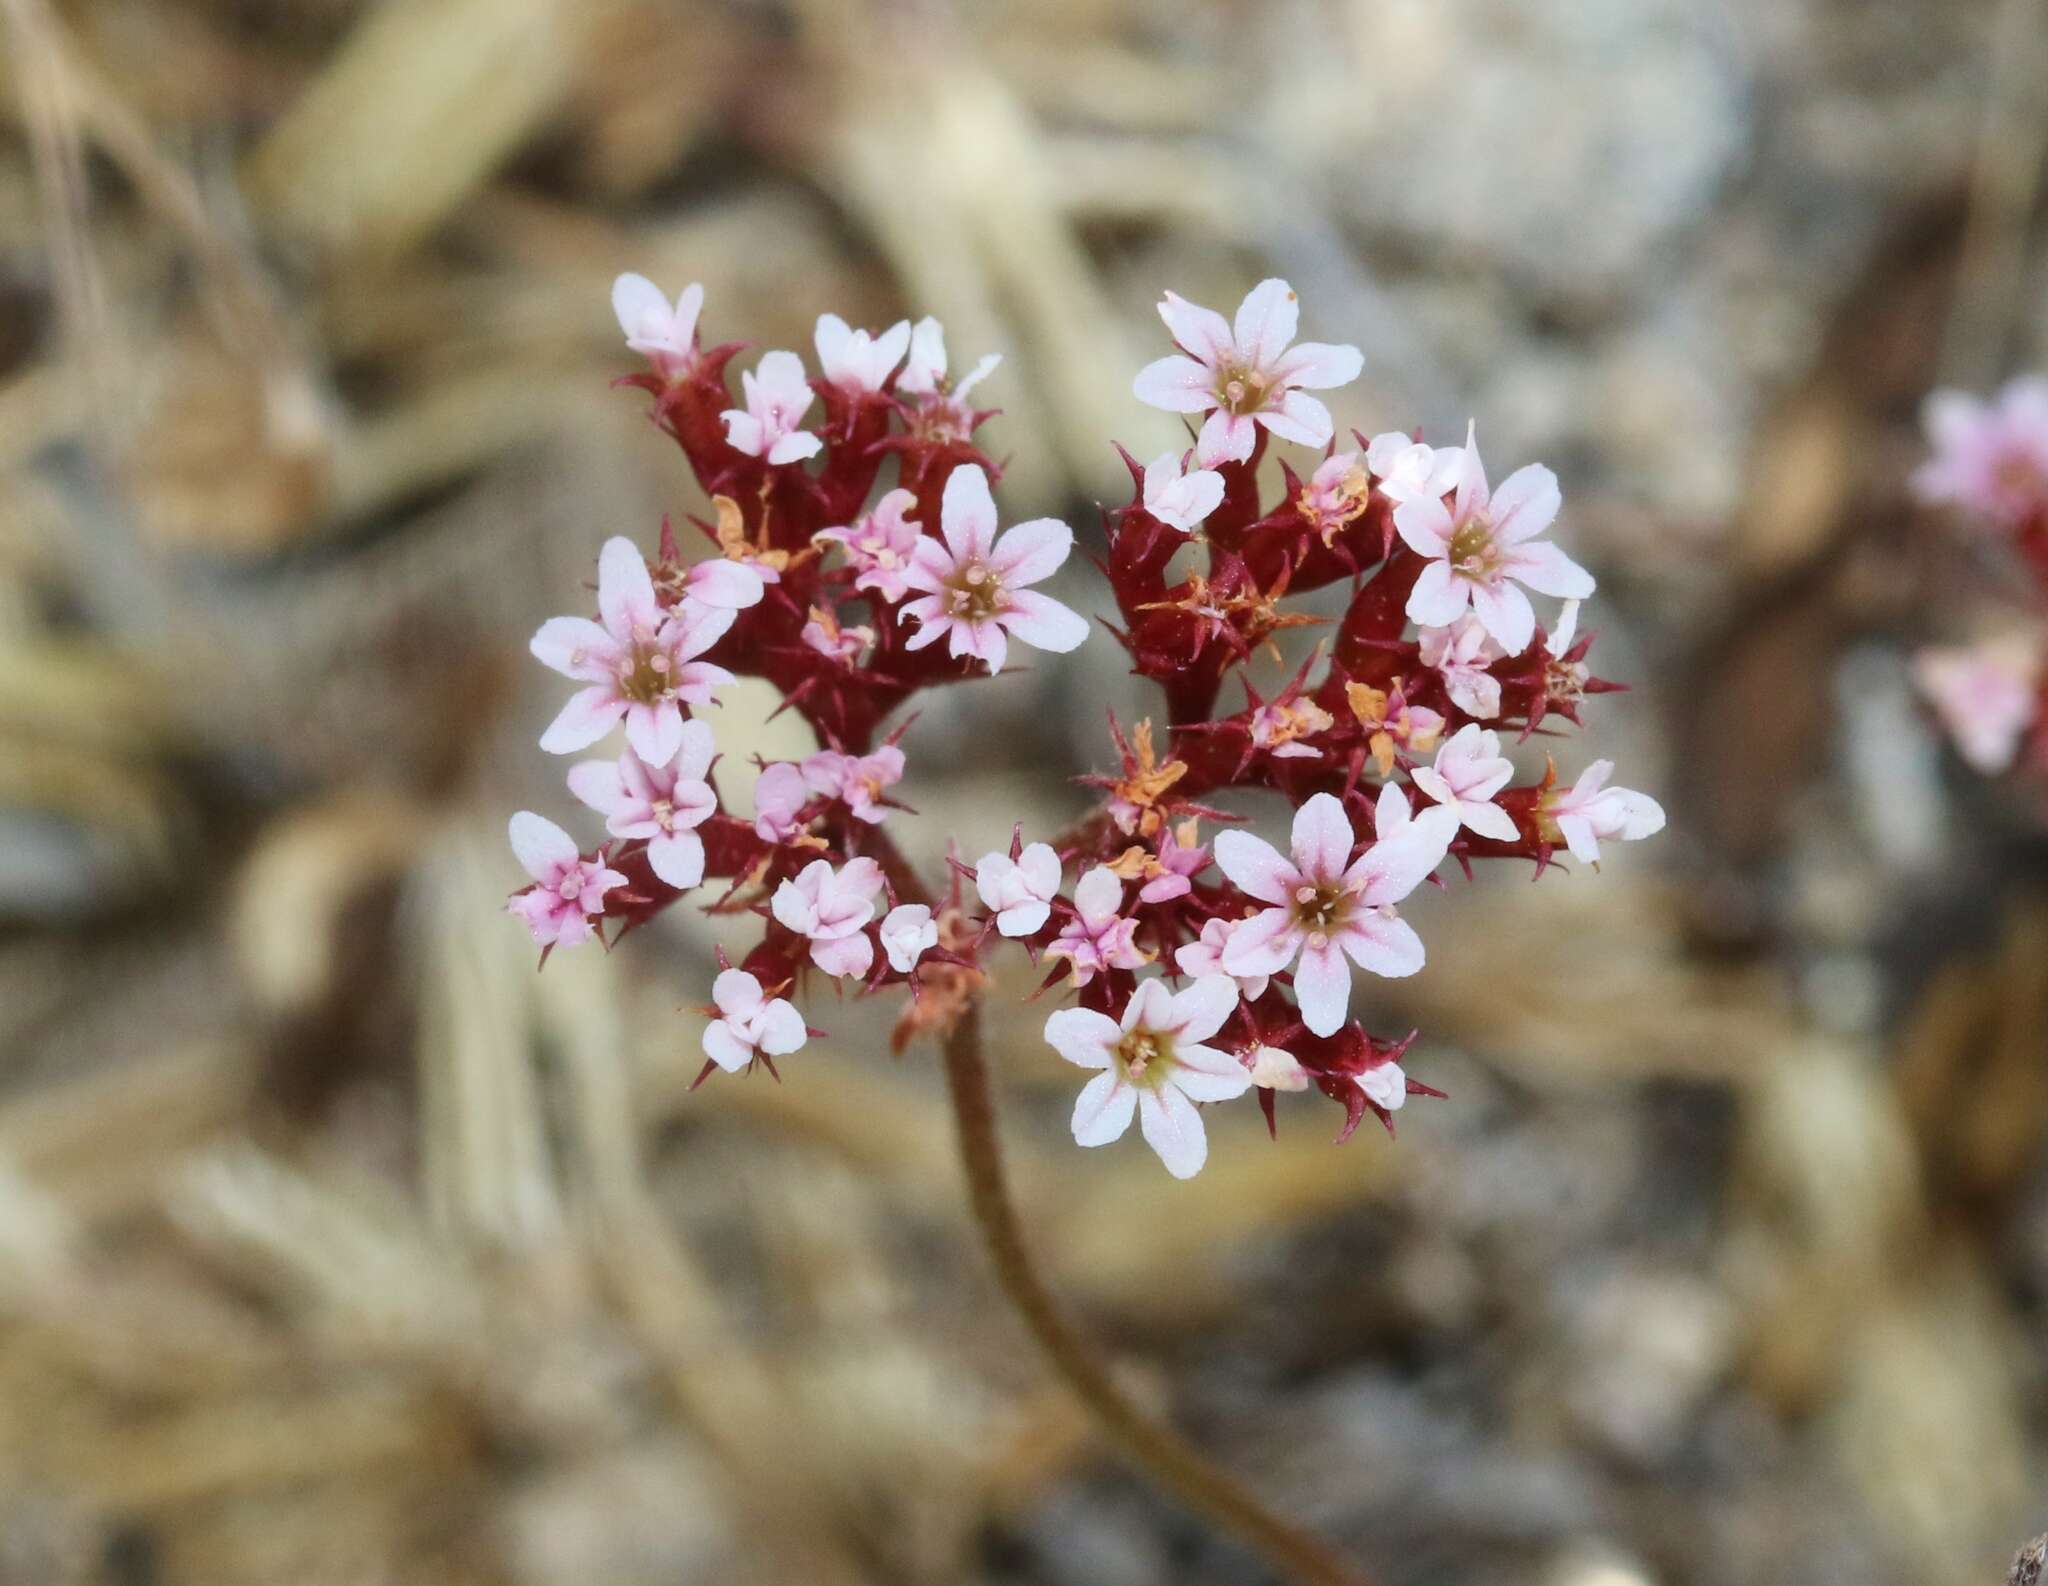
339 1249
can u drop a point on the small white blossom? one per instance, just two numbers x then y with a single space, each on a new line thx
749 1023
1019 891
1181 500
1469 771
832 908
770 426
908 933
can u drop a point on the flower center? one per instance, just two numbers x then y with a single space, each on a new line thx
646 679
1146 1056
977 594
664 814
1242 389
1320 908
1472 547
572 885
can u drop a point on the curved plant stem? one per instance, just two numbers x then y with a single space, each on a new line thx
1207 1490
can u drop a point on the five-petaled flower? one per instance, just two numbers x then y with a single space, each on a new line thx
1323 906
1181 500
1469 771
1590 812
1407 470
974 584
663 804
1204 956
749 1023
568 890
1019 891
1484 545
778 394
664 333
780 794
832 908
1460 655
1152 1063
1099 936
879 545
640 664
908 933
1247 374
857 780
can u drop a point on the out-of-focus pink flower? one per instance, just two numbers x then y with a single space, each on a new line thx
857 780
640 663
780 792
664 333
855 361
1247 374
1407 470
1987 695
1323 906
1204 956
1483 546
1099 936
974 584
823 633
1181 500
1385 1085
1153 1064
1019 891
832 908
1590 812
778 395
749 1023
1278 727
879 545
908 933
1461 654
664 804
1989 457
568 890
1469 771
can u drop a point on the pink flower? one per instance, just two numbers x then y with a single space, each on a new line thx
1278 727
974 584
1246 374
856 361
1152 1063
1991 458
778 394
1590 811
1407 470
824 634
1461 654
1099 937
1204 956
1385 1085
1323 906
1484 545
924 373
908 933
858 781
879 545
640 664
1019 891
749 1023
663 804
780 793
568 890
1337 493
666 335
1181 500
1987 696
727 585
832 909
1180 858
1469 771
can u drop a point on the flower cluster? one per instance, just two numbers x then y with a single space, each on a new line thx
1203 961
1990 460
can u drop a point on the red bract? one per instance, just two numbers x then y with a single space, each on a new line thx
857 562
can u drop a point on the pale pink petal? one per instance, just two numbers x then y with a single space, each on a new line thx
1177 384
1439 598
625 594
1471 494
698 750
1319 365
1502 609
1322 838
1255 866
1201 1073
1083 1036
1425 526
542 848
782 1028
982 639
726 1049
743 432
736 992
1579 837
641 306
1385 1086
1043 623
1547 570
1201 331
598 784
1322 987
1490 820
677 858
1029 552
1173 1128
1525 505
576 647
589 715
967 514
1262 945
1386 944
845 955
1099 895
1200 1009
655 731
1266 322
725 583
794 448
1039 865
1102 1112
1226 438
1022 919
1298 417
1400 861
